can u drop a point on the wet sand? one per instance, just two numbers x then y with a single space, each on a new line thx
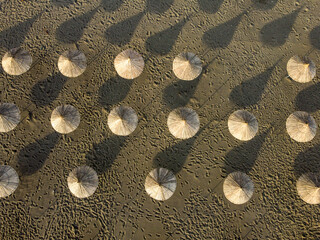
244 46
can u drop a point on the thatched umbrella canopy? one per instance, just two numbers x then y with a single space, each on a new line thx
9 180
243 125
83 181
129 64
187 66
301 126
16 61
160 184
65 119
183 122
72 63
301 70
238 187
308 187
9 116
122 120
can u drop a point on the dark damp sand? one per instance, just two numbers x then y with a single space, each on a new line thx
245 67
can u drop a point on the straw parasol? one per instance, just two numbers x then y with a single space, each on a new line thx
72 63
187 66
243 125
9 180
65 119
160 184
122 120
183 122
238 187
9 116
301 70
83 181
129 64
308 187
301 126
16 61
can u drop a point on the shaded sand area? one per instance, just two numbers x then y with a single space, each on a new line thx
244 46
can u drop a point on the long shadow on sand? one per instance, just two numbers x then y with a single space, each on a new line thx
250 92
314 37
114 90
307 161
103 154
72 30
221 36
178 94
242 158
174 157
210 6
32 157
277 32
162 42
121 33
46 91
156 6
264 4
308 99
14 36
111 5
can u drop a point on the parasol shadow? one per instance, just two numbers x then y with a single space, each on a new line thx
210 6
121 33
46 91
314 37
308 99
243 157
156 6
71 30
276 33
14 36
265 4
307 161
103 154
221 36
250 92
114 90
111 5
32 157
174 157
178 94
162 42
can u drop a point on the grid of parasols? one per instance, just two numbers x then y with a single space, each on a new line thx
183 123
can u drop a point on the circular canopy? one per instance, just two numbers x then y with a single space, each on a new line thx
122 120
83 181
187 66
129 64
308 187
72 63
160 184
17 61
9 116
9 180
243 125
301 126
183 122
238 187
65 119
301 70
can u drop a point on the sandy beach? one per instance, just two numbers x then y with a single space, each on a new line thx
244 47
